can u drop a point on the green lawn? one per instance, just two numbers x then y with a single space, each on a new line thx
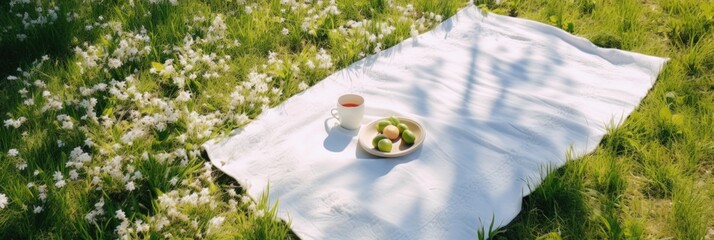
104 105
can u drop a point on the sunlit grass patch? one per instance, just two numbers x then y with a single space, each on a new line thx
687 213
690 22
633 180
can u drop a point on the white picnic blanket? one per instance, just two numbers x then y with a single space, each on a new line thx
501 99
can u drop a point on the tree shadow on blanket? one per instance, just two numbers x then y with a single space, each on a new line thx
506 116
506 120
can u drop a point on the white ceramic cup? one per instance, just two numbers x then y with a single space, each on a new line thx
349 111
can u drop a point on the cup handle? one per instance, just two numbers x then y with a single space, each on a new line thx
334 112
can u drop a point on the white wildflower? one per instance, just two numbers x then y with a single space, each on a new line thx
89 143
245 199
38 209
119 214
324 59
42 192
285 31
130 186
173 181
39 84
216 222
29 102
162 222
13 152
259 213
114 63
15 123
21 165
183 96
310 64
302 86
96 180
232 192
141 226
59 178
372 38
66 121
179 81
98 211
3 200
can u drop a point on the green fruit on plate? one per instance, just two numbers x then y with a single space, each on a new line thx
402 127
408 136
394 120
377 139
382 124
384 145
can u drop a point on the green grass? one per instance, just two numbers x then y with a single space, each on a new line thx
650 178
646 179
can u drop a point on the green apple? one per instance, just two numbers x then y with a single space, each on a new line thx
377 139
382 124
394 120
384 145
402 127
408 136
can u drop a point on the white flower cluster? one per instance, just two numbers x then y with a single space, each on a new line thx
90 55
253 91
66 121
217 31
172 2
15 123
98 211
215 223
173 206
31 19
59 179
42 192
78 158
52 102
3 200
14 155
13 152
315 16
324 60
18 2
132 46
163 113
369 35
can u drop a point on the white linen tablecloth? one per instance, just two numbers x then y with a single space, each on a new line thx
502 100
